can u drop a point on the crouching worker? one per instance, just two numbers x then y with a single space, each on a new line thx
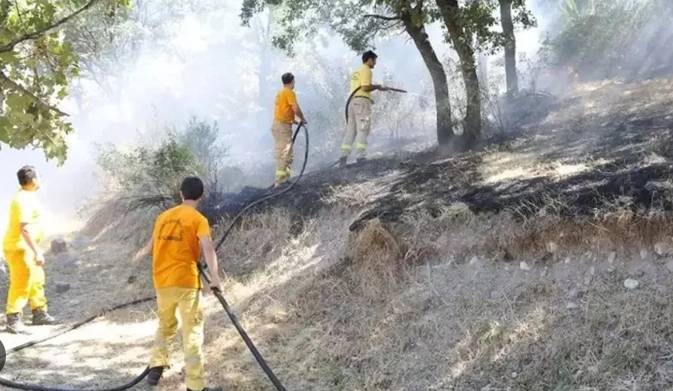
179 236
24 256
286 110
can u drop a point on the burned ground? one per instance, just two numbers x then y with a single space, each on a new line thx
609 144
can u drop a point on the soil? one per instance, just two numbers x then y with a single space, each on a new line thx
328 315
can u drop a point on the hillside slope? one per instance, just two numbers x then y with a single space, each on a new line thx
541 262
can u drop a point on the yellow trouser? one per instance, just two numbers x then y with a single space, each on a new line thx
358 127
26 282
188 302
282 137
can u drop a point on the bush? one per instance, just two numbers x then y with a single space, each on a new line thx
150 176
607 38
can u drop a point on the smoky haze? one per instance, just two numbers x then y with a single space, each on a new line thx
214 69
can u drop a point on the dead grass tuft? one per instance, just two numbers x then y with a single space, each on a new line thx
377 260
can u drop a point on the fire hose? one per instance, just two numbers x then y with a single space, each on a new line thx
355 91
205 275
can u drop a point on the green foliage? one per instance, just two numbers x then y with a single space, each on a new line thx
36 67
151 175
597 37
149 172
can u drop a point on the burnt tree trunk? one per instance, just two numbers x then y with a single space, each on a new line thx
450 12
510 46
439 80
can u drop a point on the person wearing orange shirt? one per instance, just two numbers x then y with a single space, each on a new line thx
180 235
24 256
286 110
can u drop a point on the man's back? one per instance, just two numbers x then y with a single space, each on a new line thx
176 247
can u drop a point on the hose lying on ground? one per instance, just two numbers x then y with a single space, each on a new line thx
244 335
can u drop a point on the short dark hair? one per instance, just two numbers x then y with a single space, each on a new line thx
287 78
192 188
368 55
26 175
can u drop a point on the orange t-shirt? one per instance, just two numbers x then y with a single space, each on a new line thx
285 99
176 247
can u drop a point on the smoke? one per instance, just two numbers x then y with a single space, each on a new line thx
210 67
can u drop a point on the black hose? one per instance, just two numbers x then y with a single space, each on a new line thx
258 356
30 387
272 195
350 98
241 331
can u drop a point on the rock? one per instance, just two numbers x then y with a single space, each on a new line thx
474 261
62 288
131 279
612 257
631 284
643 254
669 266
58 246
663 249
567 260
552 247
572 306
524 266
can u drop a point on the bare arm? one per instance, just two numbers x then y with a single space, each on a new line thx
299 113
28 238
211 260
143 251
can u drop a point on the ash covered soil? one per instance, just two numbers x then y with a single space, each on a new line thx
609 142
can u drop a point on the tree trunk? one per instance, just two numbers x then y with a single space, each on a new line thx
510 46
439 80
450 12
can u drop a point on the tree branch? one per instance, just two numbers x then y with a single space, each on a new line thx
17 87
36 34
382 17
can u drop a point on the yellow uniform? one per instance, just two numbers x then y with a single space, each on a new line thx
359 114
26 278
282 132
362 77
175 253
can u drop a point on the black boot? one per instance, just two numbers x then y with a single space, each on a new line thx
343 161
155 375
42 318
15 324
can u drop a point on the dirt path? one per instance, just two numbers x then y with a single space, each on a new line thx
109 351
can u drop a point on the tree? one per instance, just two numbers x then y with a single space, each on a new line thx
460 34
36 66
358 23
510 46
522 17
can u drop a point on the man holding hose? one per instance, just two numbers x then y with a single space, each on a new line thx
180 235
286 111
360 110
